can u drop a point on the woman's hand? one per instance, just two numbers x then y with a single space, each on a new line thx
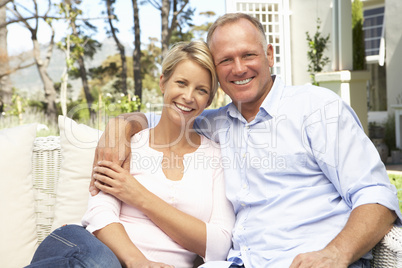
115 180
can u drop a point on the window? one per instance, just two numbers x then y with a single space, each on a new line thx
374 42
273 15
373 28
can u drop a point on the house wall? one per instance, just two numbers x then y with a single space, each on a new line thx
393 47
303 17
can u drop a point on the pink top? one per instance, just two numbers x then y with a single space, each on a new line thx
200 193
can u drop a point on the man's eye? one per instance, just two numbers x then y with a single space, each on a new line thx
249 55
224 61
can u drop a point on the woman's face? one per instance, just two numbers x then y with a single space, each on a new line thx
186 92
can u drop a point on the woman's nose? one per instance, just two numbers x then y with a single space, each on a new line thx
189 95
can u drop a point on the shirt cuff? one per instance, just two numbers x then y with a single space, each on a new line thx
379 194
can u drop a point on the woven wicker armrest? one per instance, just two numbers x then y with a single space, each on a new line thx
45 173
388 252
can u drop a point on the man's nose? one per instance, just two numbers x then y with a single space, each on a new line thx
239 68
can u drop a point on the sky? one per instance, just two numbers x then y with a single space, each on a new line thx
150 23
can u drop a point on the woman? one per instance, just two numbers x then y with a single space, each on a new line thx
172 206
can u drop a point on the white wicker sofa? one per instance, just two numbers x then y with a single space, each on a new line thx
46 166
60 173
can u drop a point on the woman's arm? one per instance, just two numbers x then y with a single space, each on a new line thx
115 237
102 219
186 230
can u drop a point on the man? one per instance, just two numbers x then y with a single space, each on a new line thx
307 185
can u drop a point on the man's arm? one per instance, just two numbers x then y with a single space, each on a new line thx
366 226
114 144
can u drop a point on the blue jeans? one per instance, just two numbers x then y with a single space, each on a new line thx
73 246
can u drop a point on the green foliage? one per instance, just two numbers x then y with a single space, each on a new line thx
115 104
18 104
390 132
396 179
31 115
106 78
178 36
317 45
77 43
200 31
359 57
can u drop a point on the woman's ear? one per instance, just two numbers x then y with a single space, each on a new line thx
161 84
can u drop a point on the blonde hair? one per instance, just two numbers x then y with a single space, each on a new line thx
196 51
235 17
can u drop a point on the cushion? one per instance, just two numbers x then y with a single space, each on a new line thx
18 222
78 143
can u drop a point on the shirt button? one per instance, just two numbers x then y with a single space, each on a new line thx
244 186
244 248
244 155
243 205
241 227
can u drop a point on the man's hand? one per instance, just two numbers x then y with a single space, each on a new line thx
320 259
114 144
365 227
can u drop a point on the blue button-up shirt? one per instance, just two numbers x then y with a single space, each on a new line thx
295 172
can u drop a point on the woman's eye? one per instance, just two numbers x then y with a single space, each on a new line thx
203 90
181 83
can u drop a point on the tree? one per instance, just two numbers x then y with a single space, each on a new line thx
179 14
113 31
82 45
317 45
5 69
359 57
5 83
137 52
104 76
41 64
200 31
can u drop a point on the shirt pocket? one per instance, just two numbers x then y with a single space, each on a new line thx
292 164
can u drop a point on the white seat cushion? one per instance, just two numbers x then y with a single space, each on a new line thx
18 223
78 143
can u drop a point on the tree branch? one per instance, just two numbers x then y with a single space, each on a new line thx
155 4
19 67
4 2
17 14
50 47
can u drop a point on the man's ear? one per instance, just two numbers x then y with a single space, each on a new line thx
270 55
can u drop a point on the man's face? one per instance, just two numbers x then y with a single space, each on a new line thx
242 64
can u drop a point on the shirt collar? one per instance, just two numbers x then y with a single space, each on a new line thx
269 105
271 102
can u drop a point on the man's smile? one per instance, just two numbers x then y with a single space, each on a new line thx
243 82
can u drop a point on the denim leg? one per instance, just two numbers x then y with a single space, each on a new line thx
362 263
73 246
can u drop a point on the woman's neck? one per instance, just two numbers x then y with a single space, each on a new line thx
169 137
